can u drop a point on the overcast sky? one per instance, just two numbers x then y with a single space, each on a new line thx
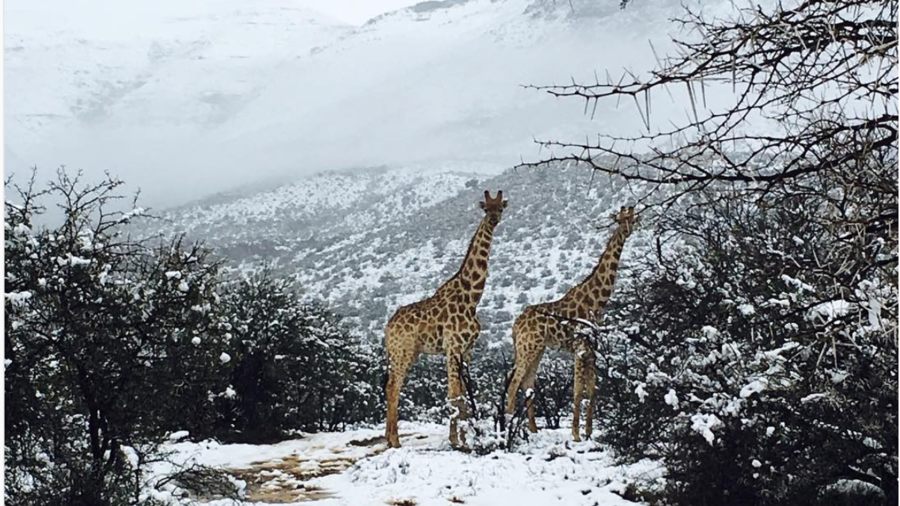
184 98
355 12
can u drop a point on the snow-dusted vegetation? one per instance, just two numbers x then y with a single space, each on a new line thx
230 350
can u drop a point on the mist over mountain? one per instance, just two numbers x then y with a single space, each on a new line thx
185 100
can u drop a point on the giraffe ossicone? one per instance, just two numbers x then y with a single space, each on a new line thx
444 323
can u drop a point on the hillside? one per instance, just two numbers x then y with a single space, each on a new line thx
370 241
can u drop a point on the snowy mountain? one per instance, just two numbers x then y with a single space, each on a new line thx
188 69
216 94
133 95
370 241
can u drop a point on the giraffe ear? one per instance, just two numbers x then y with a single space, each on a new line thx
505 203
483 205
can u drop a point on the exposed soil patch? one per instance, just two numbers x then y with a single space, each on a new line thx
282 481
372 441
285 480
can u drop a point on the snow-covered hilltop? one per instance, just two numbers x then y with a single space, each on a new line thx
372 240
218 93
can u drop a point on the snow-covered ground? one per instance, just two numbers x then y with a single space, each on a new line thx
355 468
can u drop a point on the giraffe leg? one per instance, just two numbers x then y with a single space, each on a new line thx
400 359
456 397
579 388
528 384
463 398
590 384
529 349
518 374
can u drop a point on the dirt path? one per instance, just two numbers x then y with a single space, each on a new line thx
284 480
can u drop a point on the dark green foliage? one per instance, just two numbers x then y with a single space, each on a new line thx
295 365
98 325
112 343
554 385
755 351
793 418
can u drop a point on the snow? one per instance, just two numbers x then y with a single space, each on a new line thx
709 331
21 229
549 469
195 341
225 358
812 397
641 393
138 211
776 353
796 283
18 298
72 260
704 425
754 387
837 376
671 399
178 435
746 309
830 310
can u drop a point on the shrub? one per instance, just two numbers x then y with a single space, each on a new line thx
295 365
99 324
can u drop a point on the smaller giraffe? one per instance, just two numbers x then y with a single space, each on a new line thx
555 324
444 323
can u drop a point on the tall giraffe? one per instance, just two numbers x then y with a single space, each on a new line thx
444 323
554 325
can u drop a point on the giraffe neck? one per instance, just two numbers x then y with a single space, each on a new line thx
472 275
590 297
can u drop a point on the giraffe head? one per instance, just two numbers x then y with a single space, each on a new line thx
493 207
625 219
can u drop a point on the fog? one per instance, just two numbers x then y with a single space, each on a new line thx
184 99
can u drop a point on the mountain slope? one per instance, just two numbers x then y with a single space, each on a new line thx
371 241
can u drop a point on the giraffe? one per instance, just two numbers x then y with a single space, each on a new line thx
554 324
444 323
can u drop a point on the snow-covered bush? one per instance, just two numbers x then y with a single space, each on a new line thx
758 364
759 356
295 365
554 386
100 346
